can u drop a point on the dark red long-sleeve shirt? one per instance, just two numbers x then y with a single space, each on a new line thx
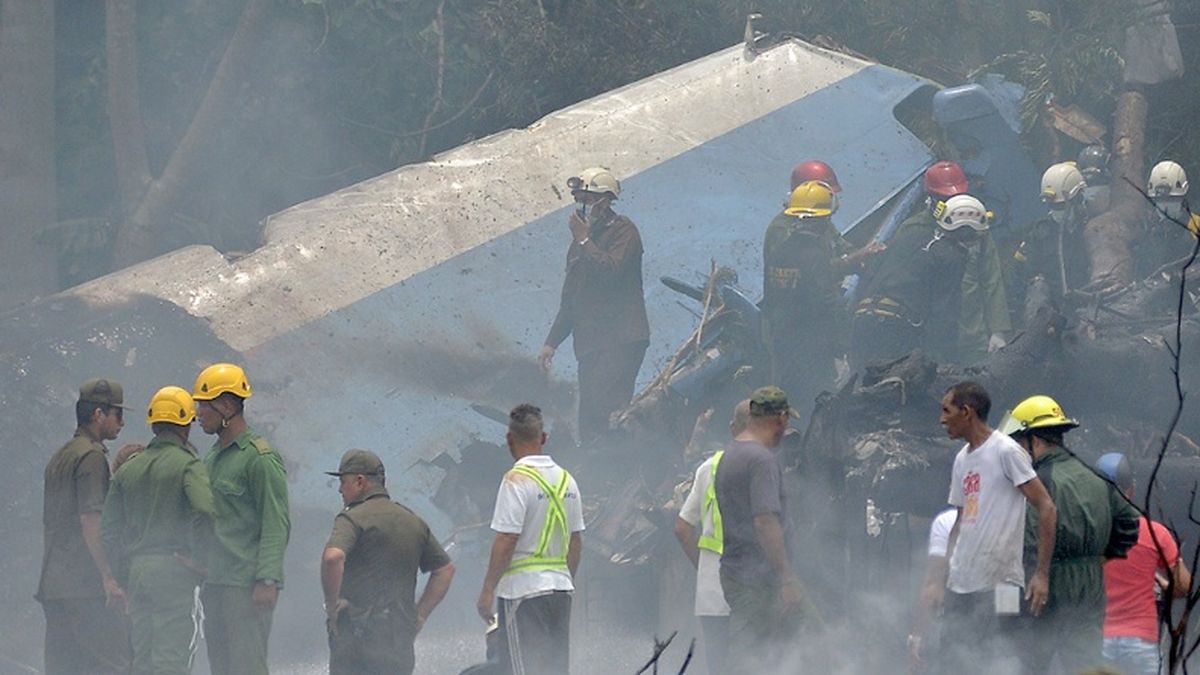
602 302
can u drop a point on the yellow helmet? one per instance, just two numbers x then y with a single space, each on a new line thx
220 378
1035 412
809 199
172 405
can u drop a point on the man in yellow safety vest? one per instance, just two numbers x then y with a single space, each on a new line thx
700 509
537 520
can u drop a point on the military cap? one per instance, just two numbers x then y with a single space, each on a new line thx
362 462
102 391
769 400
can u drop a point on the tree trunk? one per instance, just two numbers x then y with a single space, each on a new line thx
1109 236
140 236
27 172
124 109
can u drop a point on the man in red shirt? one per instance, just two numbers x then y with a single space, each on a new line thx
1130 584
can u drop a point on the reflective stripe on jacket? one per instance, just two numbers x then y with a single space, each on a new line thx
556 523
710 509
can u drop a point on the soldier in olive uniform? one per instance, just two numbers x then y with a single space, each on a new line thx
158 515
250 498
85 628
369 574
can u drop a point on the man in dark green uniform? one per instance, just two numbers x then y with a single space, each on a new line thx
1094 523
245 565
804 259
911 297
369 574
86 632
157 517
983 316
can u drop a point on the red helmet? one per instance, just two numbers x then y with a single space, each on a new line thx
945 179
815 169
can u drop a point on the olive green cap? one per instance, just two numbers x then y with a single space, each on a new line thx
362 462
102 391
769 400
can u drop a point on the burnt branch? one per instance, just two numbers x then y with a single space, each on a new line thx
1179 649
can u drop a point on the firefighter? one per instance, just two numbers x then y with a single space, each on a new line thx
804 259
913 291
1053 253
1093 166
157 518
245 568
1167 242
983 320
602 303
1094 523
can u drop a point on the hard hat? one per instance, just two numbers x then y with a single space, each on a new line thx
1116 468
959 211
945 179
1036 412
815 169
1167 179
220 378
1062 183
812 198
596 180
1093 161
173 405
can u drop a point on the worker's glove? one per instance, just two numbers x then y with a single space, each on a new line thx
996 342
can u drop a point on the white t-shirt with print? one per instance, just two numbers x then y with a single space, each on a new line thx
710 599
991 530
521 508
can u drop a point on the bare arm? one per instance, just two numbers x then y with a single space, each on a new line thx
1182 578
953 540
501 556
1038 589
686 534
770 538
435 590
933 592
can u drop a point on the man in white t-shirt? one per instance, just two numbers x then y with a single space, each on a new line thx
992 479
700 508
537 520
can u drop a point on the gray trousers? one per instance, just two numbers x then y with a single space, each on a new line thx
535 634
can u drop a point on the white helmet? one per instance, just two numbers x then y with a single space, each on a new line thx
962 210
597 180
1167 179
1061 183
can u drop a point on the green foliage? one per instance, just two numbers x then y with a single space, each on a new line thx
1075 58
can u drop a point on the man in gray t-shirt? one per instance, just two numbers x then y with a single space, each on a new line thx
767 604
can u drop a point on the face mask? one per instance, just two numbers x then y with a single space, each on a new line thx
1173 209
1060 216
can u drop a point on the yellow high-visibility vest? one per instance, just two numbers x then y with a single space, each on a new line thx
716 542
556 524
